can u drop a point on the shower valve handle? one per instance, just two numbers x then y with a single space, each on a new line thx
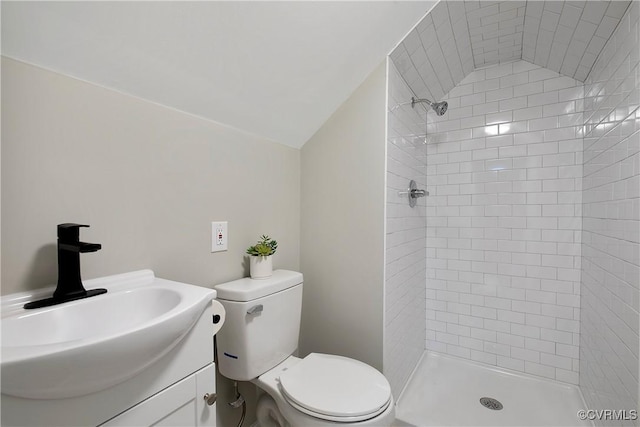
413 193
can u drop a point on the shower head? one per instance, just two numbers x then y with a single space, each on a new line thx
439 107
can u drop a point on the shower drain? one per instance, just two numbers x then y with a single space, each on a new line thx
491 403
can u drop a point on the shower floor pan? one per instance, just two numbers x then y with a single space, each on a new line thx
446 391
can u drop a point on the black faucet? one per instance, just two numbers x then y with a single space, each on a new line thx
69 286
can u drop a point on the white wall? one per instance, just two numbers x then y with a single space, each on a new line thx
149 181
610 301
503 221
342 239
405 246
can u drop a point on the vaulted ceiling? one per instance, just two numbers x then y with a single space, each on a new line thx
457 37
277 69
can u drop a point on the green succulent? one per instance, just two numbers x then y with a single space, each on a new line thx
266 246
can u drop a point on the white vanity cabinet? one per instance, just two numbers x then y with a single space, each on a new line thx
182 404
170 392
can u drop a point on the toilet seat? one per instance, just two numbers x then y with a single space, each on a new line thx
335 388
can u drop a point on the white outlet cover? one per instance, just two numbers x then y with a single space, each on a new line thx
219 237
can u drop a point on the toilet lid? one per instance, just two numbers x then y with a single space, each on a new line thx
336 388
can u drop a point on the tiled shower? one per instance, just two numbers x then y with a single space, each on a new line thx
525 255
503 229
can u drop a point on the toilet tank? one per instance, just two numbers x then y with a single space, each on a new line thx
262 323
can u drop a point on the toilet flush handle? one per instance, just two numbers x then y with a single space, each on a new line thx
255 309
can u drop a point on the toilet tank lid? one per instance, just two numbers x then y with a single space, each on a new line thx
248 289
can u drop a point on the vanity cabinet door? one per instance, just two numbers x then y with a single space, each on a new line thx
205 384
182 404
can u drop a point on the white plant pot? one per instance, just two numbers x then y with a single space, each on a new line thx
260 267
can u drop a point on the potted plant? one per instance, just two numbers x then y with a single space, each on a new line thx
260 262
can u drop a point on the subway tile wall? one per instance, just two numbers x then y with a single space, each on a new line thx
437 53
405 236
568 36
610 290
458 36
504 168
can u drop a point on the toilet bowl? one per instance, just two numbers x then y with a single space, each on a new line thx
324 390
257 344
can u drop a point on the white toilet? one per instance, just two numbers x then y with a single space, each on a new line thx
256 344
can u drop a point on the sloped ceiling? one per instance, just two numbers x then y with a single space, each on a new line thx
458 36
276 69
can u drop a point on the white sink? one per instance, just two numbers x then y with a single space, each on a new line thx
84 346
